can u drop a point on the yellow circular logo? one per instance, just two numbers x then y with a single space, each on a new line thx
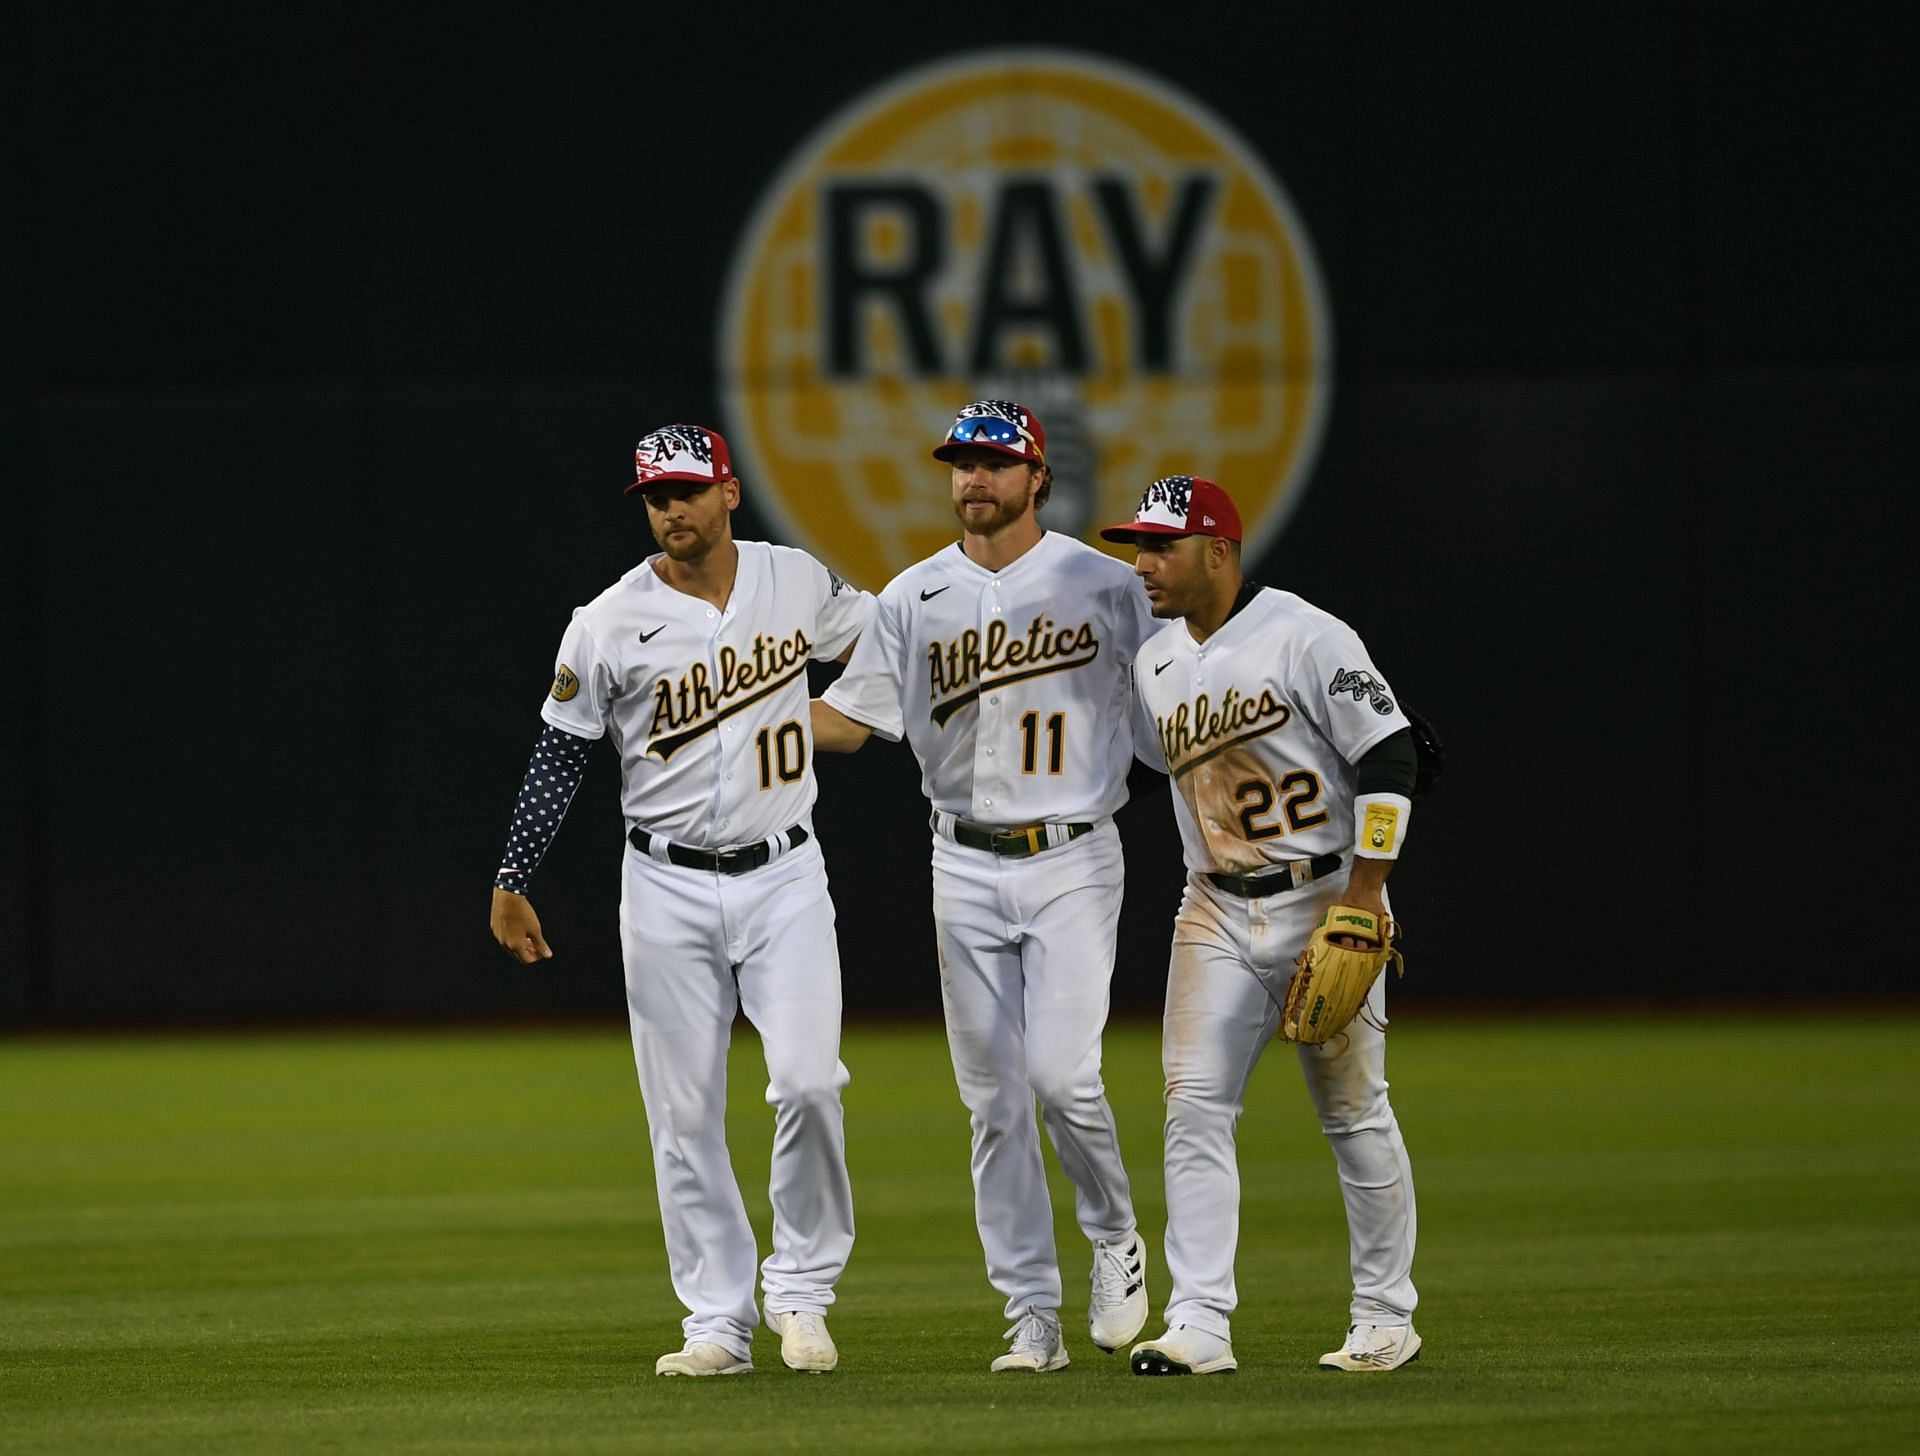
565 684
1032 225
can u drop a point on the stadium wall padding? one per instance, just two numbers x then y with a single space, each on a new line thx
336 342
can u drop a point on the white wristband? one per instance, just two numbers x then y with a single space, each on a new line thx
1380 824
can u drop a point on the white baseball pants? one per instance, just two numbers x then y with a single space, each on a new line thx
1225 988
1026 968
697 945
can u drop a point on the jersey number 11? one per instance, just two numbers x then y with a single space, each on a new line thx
1030 742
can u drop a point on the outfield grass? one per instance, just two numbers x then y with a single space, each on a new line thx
1689 1236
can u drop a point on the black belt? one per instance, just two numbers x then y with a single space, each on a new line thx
1252 887
726 861
1010 843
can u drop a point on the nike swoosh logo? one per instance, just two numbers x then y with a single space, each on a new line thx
649 636
1163 667
925 595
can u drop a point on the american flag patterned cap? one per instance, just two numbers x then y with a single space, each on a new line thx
1180 505
680 452
1003 426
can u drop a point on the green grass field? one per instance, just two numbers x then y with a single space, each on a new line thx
1690 1236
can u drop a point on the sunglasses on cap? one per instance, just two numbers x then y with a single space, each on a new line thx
990 430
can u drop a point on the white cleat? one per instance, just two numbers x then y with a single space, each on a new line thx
1037 1343
1183 1350
804 1341
1374 1347
1118 1310
702 1357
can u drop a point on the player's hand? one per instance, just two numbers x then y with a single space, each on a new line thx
1354 942
517 928
1363 893
1366 889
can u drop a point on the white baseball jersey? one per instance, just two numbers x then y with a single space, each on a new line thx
1011 685
1260 726
708 708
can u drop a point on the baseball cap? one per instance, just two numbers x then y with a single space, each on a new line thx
680 452
1180 505
1000 425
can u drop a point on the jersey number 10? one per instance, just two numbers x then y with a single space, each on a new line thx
783 751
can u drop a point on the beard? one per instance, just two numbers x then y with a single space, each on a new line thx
997 516
691 547
1169 605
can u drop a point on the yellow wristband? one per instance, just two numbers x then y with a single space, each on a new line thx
1380 824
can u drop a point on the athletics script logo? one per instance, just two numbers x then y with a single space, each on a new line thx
1035 225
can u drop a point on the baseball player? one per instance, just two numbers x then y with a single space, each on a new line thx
1281 736
1003 660
694 664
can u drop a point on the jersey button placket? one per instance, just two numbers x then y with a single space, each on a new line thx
722 799
989 714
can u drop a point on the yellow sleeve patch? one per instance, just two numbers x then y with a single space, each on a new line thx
1381 831
565 684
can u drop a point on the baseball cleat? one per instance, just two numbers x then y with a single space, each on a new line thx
1183 1350
703 1357
1118 1310
1037 1343
1374 1347
804 1341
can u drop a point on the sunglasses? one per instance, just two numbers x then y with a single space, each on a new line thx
991 430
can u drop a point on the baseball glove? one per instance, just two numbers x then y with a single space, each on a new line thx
1429 752
1330 982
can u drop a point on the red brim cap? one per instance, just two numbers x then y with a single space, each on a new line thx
1180 505
1124 534
681 452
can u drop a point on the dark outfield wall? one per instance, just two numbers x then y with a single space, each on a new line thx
328 341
